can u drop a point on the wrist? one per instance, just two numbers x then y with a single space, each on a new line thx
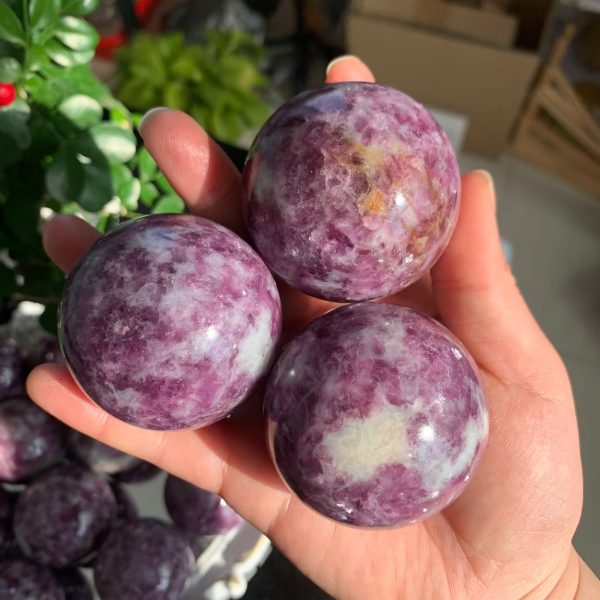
588 584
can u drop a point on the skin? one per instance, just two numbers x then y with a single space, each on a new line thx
507 537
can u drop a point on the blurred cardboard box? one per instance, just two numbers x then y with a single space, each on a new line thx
485 83
485 26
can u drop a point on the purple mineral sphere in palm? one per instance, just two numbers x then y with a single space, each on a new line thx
143 560
30 440
24 580
351 191
377 416
63 515
196 511
169 321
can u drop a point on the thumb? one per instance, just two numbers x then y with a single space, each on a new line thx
476 293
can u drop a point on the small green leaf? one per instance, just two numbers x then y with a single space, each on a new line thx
37 58
176 95
65 57
80 173
169 204
129 193
10 69
43 13
164 185
76 34
82 111
116 143
147 165
148 193
79 7
11 29
13 123
125 186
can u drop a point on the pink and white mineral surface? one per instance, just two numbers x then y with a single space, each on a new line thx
377 416
169 321
350 191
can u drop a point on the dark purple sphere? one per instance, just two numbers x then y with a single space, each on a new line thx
24 580
351 191
377 415
30 440
196 511
99 457
74 585
143 560
63 515
144 471
169 321
12 369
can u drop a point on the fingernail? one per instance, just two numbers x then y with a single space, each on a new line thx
145 118
340 59
487 176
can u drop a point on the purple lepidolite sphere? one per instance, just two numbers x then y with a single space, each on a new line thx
143 560
24 580
12 369
377 416
196 511
169 321
99 457
351 191
30 440
63 515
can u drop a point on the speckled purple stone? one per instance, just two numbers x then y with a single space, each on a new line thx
11 369
144 560
169 321
30 440
24 580
99 457
74 585
377 416
197 511
138 474
350 191
62 516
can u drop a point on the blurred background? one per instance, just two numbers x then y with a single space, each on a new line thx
515 83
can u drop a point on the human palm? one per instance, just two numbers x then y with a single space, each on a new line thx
509 534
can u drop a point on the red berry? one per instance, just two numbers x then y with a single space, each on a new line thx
7 94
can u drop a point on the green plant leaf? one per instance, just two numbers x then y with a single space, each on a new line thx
80 173
82 111
116 143
37 58
169 204
164 185
13 123
148 193
65 57
9 151
106 222
147 165
11 29
10 69
76 34
43 13
176 95
79 7
129 193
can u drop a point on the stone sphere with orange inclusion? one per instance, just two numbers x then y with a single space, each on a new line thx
351 191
